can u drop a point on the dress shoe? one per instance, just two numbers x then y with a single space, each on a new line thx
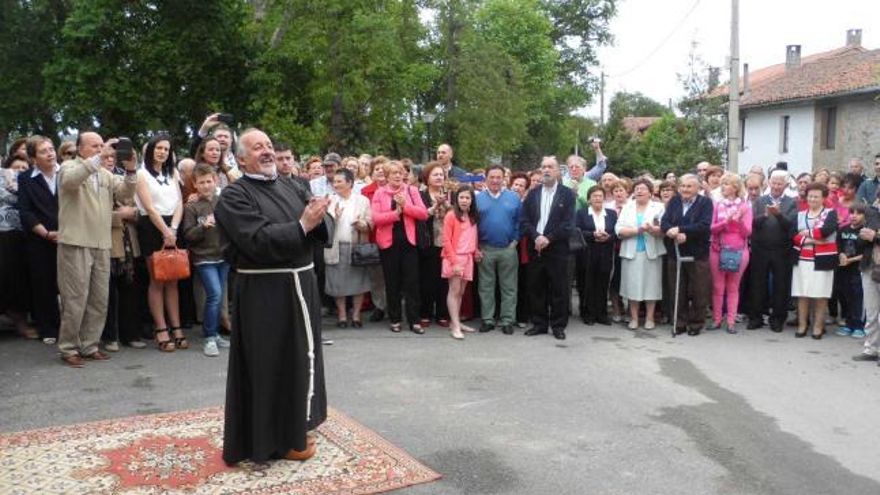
443 322
97 356
589 321
377 315
486 327
559 334
302 455
507 329
604 320
754 325
776 327
693 332
74 361
535 331
680 330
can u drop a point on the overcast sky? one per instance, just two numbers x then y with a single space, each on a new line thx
766 27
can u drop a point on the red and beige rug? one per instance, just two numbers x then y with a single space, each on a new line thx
179 453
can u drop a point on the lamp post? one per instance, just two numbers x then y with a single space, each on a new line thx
428 119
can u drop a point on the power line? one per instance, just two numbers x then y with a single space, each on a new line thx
662 42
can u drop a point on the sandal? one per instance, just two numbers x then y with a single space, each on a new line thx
180 342
165 345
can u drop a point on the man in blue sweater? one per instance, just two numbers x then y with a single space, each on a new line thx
499 232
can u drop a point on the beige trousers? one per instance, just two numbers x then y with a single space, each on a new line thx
84 285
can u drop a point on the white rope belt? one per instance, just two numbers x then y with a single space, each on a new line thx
307 320
268 271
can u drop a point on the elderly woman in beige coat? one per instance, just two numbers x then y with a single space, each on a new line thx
353 216
641 251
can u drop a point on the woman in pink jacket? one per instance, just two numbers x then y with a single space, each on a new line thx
396 208
729 250
459 253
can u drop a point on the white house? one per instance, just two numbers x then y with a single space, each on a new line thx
817 111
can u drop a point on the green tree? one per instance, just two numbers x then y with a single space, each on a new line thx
706 115
132 67
353 86
29 32
622 147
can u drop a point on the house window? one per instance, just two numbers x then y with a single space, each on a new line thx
742 134
829 128
783 134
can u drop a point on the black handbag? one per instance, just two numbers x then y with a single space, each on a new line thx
366 254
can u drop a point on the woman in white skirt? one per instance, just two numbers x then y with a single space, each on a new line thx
353 217
641 249
815 244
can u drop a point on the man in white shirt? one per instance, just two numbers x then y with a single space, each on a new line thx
547 220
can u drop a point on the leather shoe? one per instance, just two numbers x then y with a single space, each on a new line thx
559 334
693 332
302 455
97 356
507 329
680 330
535 331
754 325
486 327
589 321
74 361
776 328
603 320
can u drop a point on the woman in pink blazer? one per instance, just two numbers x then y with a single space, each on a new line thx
396 209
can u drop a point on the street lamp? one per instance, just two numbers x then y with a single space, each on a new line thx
428 119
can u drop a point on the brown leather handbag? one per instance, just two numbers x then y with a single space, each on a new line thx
170 265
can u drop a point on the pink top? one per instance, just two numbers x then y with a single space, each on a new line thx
731 233
384 214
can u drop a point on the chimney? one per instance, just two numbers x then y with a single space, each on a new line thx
745 79
792 57
714 77
854 37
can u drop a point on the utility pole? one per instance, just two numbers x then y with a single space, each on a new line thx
602 99
733 137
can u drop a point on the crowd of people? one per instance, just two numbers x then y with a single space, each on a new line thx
432 244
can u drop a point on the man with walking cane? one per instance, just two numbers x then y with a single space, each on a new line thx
687 225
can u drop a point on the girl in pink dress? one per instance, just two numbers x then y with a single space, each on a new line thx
458 253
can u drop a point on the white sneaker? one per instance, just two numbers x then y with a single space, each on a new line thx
222 342
49 341
137 344
210 348
112 346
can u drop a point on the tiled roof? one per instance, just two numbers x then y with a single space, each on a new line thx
835 72
638 125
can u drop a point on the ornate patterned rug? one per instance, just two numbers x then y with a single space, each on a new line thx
179 453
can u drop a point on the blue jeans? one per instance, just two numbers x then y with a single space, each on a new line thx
213 277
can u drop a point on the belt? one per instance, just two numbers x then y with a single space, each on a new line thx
269 271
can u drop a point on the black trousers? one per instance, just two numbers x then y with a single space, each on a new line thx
848 282
123 309
550 289
596 275
433 287
400 265
764 264
43 266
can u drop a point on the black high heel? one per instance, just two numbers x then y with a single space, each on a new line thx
800 335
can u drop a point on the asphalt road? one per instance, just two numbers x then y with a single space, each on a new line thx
607 411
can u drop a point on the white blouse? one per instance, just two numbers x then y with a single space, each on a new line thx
164 191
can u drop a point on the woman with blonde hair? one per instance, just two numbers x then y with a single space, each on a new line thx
396 208
729 248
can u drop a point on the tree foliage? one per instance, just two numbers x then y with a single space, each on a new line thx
502 76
